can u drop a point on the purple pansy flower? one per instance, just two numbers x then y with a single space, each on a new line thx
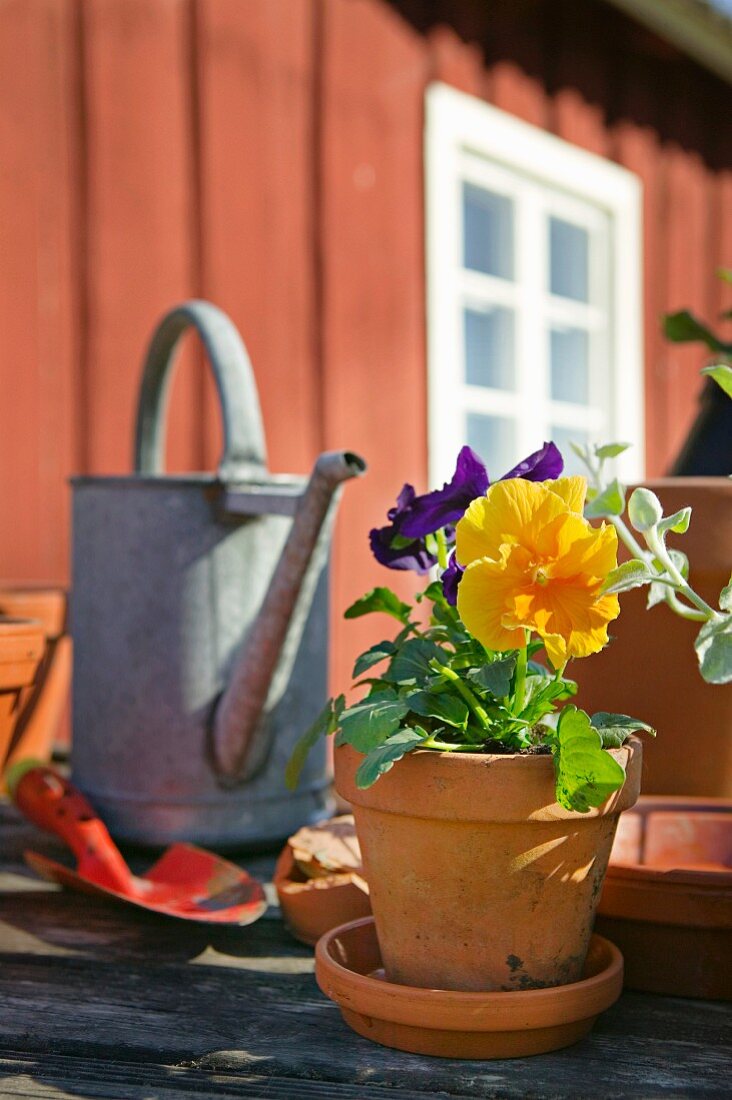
408 553
542 465
401 544
428 513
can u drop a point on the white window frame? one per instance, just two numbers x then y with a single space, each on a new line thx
461 130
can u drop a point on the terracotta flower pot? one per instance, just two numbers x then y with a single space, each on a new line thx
651 663
667 900
478 879
21 648
43 712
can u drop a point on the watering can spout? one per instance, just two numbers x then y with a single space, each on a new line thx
240 745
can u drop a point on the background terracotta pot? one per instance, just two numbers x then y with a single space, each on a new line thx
667 900
21 648
43 717
650 670
312 907
478 879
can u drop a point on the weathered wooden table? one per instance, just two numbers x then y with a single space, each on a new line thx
99 1000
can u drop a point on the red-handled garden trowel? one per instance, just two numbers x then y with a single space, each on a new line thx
186 882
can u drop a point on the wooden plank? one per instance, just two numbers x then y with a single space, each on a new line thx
140 234
637 146
38 298
48 1077
259 247
688 258
126 1003
374 376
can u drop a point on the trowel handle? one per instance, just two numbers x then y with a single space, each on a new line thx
244 456
48 800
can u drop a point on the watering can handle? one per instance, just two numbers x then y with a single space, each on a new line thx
244 454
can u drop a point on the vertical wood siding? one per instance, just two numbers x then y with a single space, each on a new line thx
267 154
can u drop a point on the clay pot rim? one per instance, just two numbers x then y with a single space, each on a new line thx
454 1010
514 787
544 760
649 875
12 625
46 603
283 879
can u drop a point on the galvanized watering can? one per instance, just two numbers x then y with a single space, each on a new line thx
200 622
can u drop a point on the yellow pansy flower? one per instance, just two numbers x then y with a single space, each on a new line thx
532 562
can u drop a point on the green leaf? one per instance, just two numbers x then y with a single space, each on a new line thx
495 677
432 592
368 723
384 756
657 593
644 509
714 650
684 328
580 451
722 375
324 724
371 657
615 729
631 574
678 522
610 502
585 774
724 273
680 560
411 664
379 599
611 450
444 707
545 691
725 597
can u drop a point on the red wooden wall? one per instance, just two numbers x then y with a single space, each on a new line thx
267 154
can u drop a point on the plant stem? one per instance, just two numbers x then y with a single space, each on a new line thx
522 661
474 704
444 746
657 551
658 548
441 548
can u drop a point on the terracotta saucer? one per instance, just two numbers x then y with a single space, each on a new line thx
460 1025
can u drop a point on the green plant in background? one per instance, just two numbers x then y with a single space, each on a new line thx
684 328
663 569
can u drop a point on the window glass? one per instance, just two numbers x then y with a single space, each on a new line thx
489 347
487 232
569 367
569 247
563 437
494 439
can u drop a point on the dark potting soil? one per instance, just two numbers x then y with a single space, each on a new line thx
500 748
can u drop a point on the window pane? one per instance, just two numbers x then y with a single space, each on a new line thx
569 247
562 438
569 365
489 347
493 438
487 232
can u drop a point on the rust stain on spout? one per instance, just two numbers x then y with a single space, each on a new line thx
239 743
